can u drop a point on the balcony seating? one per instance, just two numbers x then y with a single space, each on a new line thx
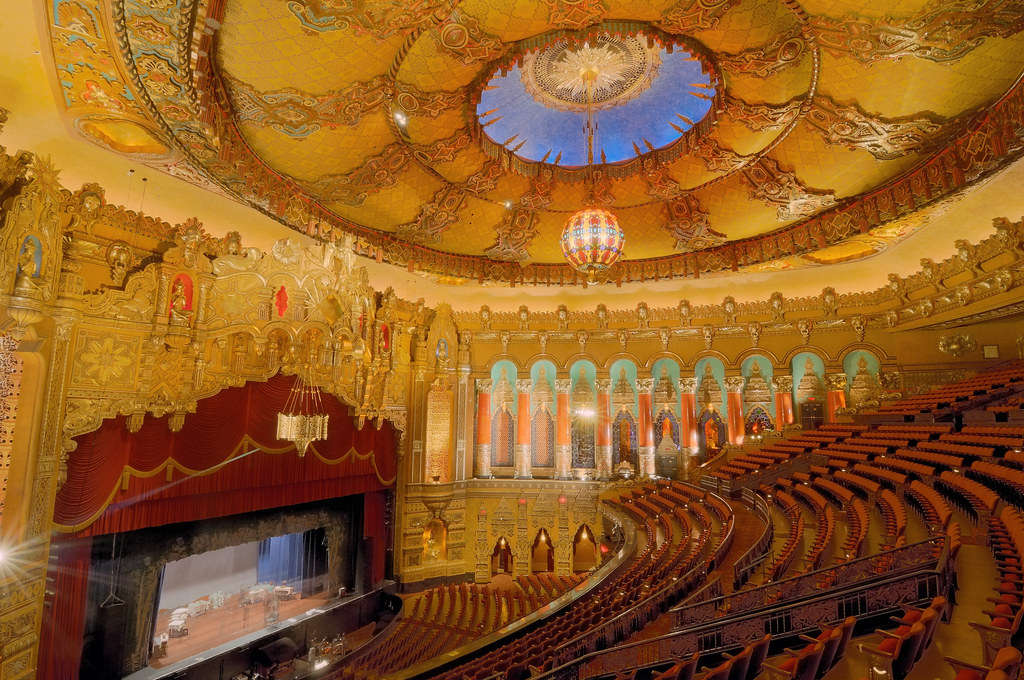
802 665
1005 665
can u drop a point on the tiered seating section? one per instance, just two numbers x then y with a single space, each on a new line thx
830 491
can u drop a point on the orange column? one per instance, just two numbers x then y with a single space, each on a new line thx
783 385
835 397
604 429
482 454
523 446
734 405
688 417
645 428
563 433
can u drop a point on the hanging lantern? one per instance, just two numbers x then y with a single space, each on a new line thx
592 240
303 419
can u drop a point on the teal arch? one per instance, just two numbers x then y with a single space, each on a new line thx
512 373
747 369
583 369
550 371
851 360
672 369
630 369
797 366
718 371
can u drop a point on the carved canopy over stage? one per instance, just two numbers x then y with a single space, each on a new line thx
446 135
225 460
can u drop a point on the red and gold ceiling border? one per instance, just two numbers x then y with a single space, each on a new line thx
179 101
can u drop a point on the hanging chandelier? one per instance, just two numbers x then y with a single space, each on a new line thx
303 419
592 239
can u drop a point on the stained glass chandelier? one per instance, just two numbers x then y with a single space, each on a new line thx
303 420
592 239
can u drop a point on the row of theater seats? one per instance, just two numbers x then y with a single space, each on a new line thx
691 525
446 617
962 395
861 473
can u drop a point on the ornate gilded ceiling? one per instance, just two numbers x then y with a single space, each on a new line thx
826 124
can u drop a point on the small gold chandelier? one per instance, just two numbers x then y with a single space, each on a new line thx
303 419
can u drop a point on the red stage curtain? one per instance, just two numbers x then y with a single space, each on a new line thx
202 471
374 525
60 641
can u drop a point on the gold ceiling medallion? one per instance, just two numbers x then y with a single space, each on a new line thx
623 66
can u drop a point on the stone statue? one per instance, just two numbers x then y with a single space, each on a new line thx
26 268
180 314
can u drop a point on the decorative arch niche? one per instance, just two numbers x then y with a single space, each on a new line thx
501 557
583 414
503 413
862 386
584 550
435 541
542 413
542 553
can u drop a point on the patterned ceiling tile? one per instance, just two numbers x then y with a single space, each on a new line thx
399 204
319 76
736 135
481 219
430 67
748 25
261 44
782 87
941 32
845 171
324 152
733 212
906 87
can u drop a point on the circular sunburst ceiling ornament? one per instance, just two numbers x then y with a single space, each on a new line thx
648 90
592 240
622 68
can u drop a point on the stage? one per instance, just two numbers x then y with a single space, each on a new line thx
225 624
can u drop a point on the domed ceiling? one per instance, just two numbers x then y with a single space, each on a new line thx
451 137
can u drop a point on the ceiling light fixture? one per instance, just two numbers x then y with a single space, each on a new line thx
302 421
592 240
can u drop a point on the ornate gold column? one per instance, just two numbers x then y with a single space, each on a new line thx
524 449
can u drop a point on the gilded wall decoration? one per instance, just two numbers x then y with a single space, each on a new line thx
105 360
764 62
940 32
299 114
886 139
957 345
690 15
381 20
514 235
783 190
435 216
759 116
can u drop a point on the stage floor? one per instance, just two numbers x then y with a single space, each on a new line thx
218 626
